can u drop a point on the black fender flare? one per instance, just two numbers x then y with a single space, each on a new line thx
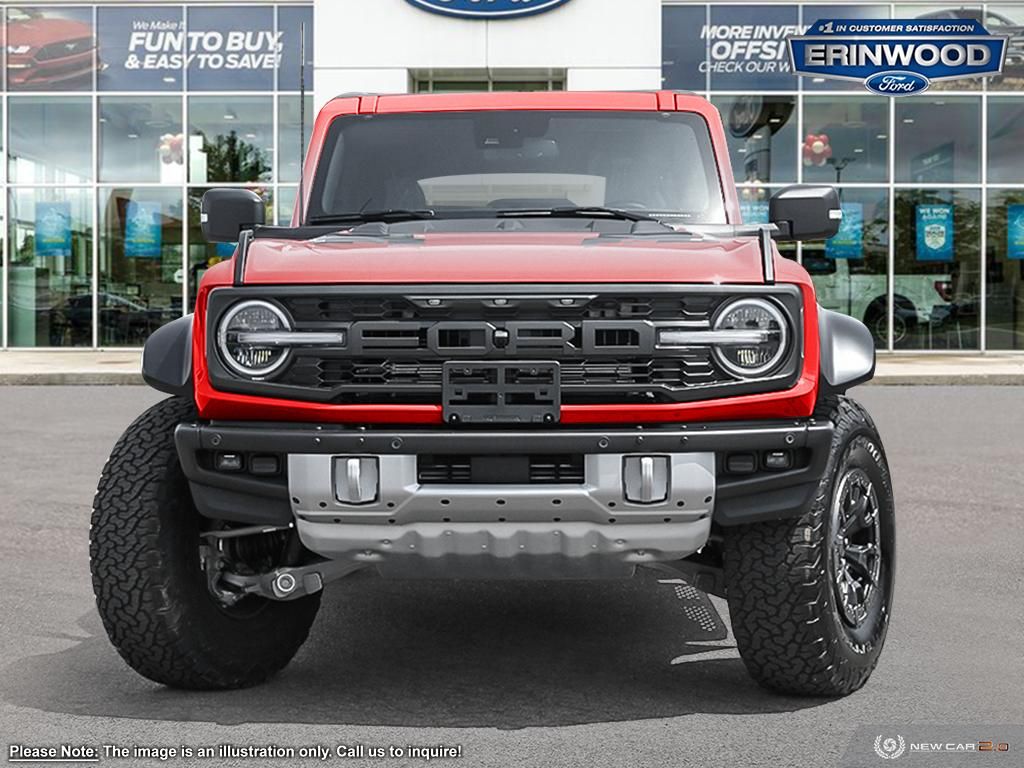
167 358
847 352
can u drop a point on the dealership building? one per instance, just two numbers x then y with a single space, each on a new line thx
118 116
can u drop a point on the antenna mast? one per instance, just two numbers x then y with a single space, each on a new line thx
300 203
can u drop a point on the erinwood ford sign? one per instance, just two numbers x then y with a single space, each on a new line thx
487 9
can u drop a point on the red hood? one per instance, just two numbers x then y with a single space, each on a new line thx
511 258
39 32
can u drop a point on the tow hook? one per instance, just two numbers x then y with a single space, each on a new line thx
291 583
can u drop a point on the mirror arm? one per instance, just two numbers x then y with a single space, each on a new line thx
767 253
244 238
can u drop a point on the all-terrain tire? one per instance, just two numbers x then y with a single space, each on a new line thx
150 588
786 609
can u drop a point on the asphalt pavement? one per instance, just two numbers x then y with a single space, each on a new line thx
570 674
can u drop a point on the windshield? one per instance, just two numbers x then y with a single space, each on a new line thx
657 164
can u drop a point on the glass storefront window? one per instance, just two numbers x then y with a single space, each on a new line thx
230 138
203 255
285 206
1004 288
289 26
937 268
50 49
141 48
761 132
850 271
232 48
288 139
50 139
938 139
853 134
684 47
140 274
1005 19
141 140
1005 139
50 273
747 48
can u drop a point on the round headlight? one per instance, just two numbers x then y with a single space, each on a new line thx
761 348
239 343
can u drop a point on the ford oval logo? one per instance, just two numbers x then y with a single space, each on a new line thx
488 9
897 83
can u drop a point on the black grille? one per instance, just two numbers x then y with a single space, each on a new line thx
64 48
604 341
534 469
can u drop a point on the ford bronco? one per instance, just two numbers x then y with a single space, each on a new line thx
519 336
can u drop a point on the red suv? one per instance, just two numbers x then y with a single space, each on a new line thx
520 336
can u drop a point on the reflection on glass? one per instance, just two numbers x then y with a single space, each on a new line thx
203 255
850 270
50 49
289 25
1005 139
141 48
761 132
754 210
938 139
286 204
140 272
1006 19
50 139
1005 264
747 48
938 255
141 140
232 48
845 139
288 135
50 275
994 23
230 139
812 13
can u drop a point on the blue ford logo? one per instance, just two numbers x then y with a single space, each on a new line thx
896 83
488 9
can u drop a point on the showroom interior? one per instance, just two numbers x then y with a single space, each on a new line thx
117 117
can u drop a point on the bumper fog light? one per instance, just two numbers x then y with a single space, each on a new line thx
778 460
229 462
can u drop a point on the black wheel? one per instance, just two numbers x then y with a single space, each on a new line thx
810 598
904 321
146 555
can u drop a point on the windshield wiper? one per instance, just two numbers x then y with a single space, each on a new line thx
576 211
361 217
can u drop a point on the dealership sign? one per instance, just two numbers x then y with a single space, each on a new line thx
488 9
895 57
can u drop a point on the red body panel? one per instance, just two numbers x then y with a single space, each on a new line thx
512 259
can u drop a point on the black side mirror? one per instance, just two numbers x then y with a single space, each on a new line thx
224 213
805 212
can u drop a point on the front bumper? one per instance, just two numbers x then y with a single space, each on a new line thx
585 528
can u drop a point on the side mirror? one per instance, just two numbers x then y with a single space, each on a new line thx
224 213
805 212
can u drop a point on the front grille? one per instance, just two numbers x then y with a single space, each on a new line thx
534 469
604 341
64 48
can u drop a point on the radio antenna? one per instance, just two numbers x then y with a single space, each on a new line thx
302 122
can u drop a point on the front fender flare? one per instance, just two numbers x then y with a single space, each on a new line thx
167 358
847 351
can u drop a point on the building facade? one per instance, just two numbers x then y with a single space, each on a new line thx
117 116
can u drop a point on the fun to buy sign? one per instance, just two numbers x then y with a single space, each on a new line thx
894 57
488 9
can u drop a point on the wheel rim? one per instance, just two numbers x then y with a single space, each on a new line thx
856 556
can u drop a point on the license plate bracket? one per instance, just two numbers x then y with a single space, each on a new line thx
487 392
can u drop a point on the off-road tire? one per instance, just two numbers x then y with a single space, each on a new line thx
150 588
783 605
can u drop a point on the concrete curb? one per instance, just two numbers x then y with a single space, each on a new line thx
71 378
